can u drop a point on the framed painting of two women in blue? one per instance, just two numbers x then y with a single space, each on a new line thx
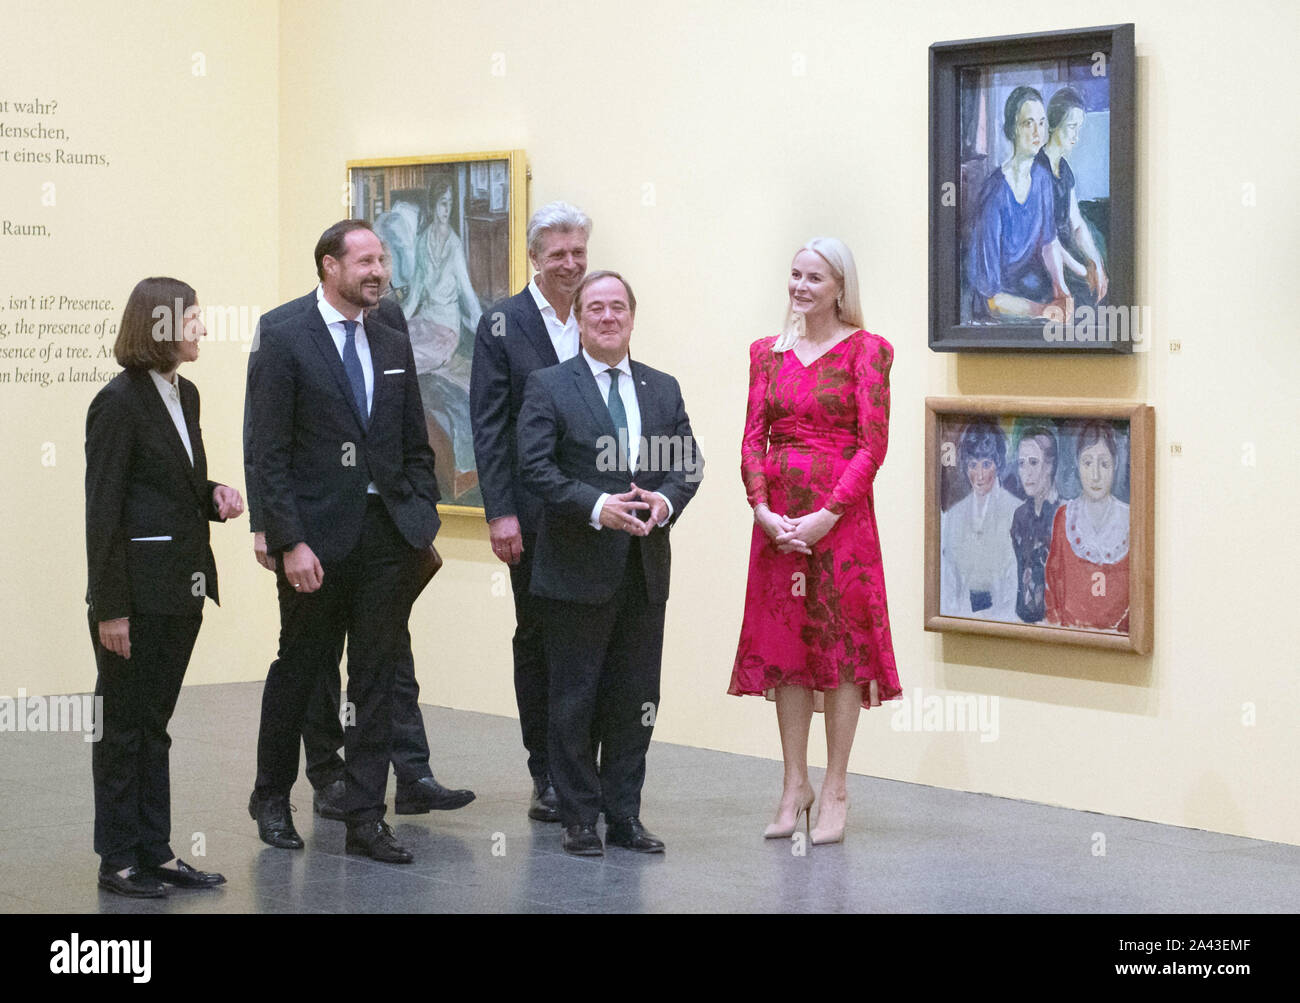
1031 176
453 226
1038 519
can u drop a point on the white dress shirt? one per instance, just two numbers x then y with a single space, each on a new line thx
171 397
334 324
563 336
627 393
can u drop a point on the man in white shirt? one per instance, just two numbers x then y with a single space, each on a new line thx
531 330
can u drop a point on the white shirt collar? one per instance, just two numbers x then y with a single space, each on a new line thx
543 304
624 366
332 316
168 388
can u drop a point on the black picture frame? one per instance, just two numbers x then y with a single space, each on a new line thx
1113 326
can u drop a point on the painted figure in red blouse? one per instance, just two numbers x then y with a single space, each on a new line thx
1087 565
816 626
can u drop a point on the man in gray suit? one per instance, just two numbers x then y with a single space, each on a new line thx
606 444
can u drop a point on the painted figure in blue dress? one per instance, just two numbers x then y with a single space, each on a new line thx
1085 272
1016 263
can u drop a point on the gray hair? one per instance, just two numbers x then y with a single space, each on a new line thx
555 216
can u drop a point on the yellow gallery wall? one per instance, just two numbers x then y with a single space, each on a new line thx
180 100
707 140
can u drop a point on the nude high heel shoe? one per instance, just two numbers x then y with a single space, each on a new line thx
822 836
774 831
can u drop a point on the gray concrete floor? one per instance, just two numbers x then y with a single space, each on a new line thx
908 848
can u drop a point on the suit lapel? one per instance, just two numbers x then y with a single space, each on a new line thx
585 382
380 359
158 414
647 401
324 342
534 327
199 468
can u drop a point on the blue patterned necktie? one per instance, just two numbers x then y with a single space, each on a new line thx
352 366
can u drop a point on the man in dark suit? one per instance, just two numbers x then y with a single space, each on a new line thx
533 329
418 791
602 442
349 506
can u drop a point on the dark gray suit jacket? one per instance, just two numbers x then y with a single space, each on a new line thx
388 311
511 342
565 431
313 452
140 483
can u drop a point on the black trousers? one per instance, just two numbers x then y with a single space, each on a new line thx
532 679
322 731
131 761
366 598
604 670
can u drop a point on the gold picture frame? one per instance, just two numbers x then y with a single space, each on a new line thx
1039 519
454 225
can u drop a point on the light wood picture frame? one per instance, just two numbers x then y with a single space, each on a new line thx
454 225
1039 519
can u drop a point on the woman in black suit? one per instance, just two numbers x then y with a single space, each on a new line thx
148 503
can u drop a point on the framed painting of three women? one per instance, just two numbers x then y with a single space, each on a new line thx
1031 179
1039 519
453 227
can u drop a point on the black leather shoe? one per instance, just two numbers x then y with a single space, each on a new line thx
426 794
630 834
545 805
583 841
376 840
137 884
327 801
185 876
273 822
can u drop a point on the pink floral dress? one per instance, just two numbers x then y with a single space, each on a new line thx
815 436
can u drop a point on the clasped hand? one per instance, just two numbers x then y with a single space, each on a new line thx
797 535
620 511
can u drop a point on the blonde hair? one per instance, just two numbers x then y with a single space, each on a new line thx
848 305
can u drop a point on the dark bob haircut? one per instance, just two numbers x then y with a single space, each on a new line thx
983 440
152 302
1061 104
332 241
1012 111
1094 432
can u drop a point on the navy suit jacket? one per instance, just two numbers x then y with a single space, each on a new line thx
140 483
389 312
314 453
510 343
565 431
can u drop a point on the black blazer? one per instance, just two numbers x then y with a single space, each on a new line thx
140 483
563 429
389 312
511 342
313 453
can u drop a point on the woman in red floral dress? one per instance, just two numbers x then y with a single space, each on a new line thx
816 624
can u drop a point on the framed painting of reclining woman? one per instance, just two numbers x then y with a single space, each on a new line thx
1031 193
1039 519
454 229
